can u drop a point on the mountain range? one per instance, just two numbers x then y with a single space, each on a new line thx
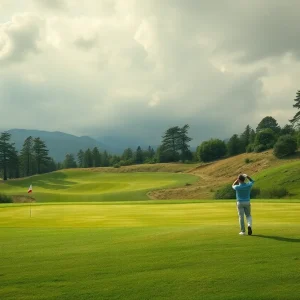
60 143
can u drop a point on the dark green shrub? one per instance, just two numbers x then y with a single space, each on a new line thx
248 160
225 192
250 148
274 193
286 145
117 166
260 148
255 193
5 199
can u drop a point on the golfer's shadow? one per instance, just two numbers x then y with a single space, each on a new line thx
278 238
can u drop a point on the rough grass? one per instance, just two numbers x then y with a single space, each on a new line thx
146 250
285 176
86 185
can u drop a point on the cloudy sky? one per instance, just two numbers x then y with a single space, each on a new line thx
138 67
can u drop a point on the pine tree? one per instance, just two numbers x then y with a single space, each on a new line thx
170 144
27 157
183 141
296 119
7 153
96 157
151 152
139 155
14 165
80 159
245 138
234 145
88 159
105 159
40 153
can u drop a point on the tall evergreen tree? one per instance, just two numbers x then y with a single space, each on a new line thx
40 153
96 157
7 153
26 157
80 159
234 145
170 143
150 152
296 119
14 165
139 159
88 158
246 137
183 143
104 159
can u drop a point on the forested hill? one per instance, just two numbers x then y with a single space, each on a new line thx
58 143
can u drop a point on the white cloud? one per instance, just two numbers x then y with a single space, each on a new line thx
20 37
114 65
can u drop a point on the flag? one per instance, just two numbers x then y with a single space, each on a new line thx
30 189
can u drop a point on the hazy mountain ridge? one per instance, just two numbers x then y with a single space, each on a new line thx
58 143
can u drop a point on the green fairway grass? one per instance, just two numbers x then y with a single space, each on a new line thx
149 250
84 185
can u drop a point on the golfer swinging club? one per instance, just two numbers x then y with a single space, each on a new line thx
243 201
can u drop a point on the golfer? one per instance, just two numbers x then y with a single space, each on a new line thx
243 201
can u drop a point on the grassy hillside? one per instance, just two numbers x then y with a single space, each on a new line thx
286 175
85 185
216 174
148 251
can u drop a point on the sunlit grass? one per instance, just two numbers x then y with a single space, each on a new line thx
84 185
148 251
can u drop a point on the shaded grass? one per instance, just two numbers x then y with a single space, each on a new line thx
148 251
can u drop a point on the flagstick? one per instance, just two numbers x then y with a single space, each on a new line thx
30 191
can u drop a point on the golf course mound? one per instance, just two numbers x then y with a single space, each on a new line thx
86 185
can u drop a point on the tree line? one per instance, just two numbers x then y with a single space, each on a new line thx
32 159
34 156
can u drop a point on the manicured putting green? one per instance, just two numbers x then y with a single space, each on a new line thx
148 250
85 185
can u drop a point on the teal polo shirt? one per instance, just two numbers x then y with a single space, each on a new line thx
243 191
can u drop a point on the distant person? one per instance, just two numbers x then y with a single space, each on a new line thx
243 201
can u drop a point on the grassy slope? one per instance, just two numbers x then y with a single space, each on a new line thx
286 175
86 185
148 251
263 167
